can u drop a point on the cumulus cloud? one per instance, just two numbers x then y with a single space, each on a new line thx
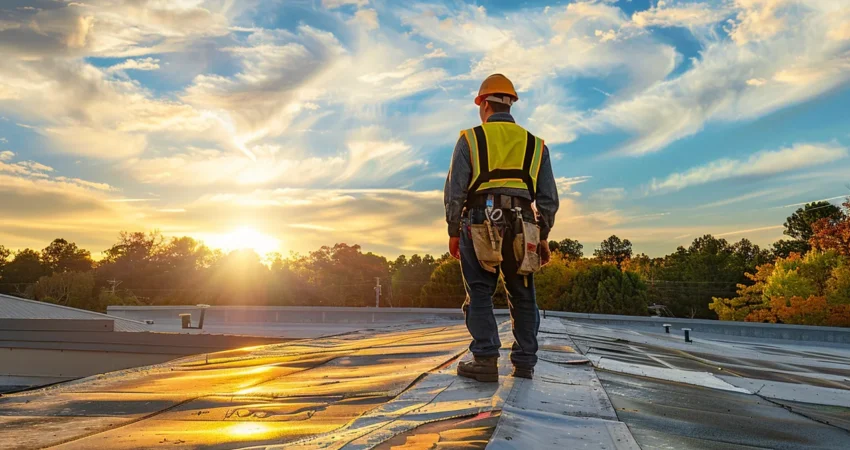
680 15
263 99
760 164
350 101
136 64
385 156
39 206
529 48
565 185
207 167
759 19
86 183
736 79
97 142
551 119
367 18
107 28
282 74
74 105
28 169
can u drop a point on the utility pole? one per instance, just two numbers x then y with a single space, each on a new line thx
377 292
114 284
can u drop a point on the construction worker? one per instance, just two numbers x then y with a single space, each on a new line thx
498 171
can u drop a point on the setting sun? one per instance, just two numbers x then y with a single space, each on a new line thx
244 238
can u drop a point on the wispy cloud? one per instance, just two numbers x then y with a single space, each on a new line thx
131 200
840 197
759 164
136 64
332 4
565 184
733 79
609 195
684 15
750 230
220 106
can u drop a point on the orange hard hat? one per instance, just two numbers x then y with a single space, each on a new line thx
494 85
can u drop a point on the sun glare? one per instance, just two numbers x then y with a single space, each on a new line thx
245 238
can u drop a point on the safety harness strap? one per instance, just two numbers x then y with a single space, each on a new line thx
486 174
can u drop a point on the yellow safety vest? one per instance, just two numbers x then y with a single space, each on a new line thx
503 155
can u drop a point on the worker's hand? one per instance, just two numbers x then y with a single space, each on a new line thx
544 252
454 247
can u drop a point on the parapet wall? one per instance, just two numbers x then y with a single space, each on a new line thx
269 315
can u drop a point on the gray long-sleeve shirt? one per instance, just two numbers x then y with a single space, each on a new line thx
460 174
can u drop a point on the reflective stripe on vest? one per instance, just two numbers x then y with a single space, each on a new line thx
503 155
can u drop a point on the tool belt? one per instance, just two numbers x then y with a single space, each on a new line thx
488 237
499 201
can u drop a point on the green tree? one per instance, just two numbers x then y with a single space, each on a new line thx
177 267
409 277
74 289
289 281
802 276
750 297
787 281
643 265
64 256
445 287
783 248
614 250
553 281
132 261
604 289
4 256
106 299
569 248
4 259
810 290
688 279
838 286
749 255
799 224
239 277
24 270
346 275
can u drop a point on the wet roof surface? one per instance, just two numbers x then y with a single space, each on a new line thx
396 388
663 414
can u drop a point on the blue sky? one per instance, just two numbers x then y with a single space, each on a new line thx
286 125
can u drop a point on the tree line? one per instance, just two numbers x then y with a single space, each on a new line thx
711 278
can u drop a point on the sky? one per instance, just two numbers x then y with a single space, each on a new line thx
286 125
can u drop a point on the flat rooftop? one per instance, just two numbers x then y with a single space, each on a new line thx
598 386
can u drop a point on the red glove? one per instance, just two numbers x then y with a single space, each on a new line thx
544 252
454 247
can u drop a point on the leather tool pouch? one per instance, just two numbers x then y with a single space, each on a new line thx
525 249
488 252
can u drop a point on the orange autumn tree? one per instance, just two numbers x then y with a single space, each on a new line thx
833 234
750 298
810 290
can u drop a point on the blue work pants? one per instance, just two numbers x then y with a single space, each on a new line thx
481 286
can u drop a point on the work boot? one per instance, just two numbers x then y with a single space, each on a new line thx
480 369
520 372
